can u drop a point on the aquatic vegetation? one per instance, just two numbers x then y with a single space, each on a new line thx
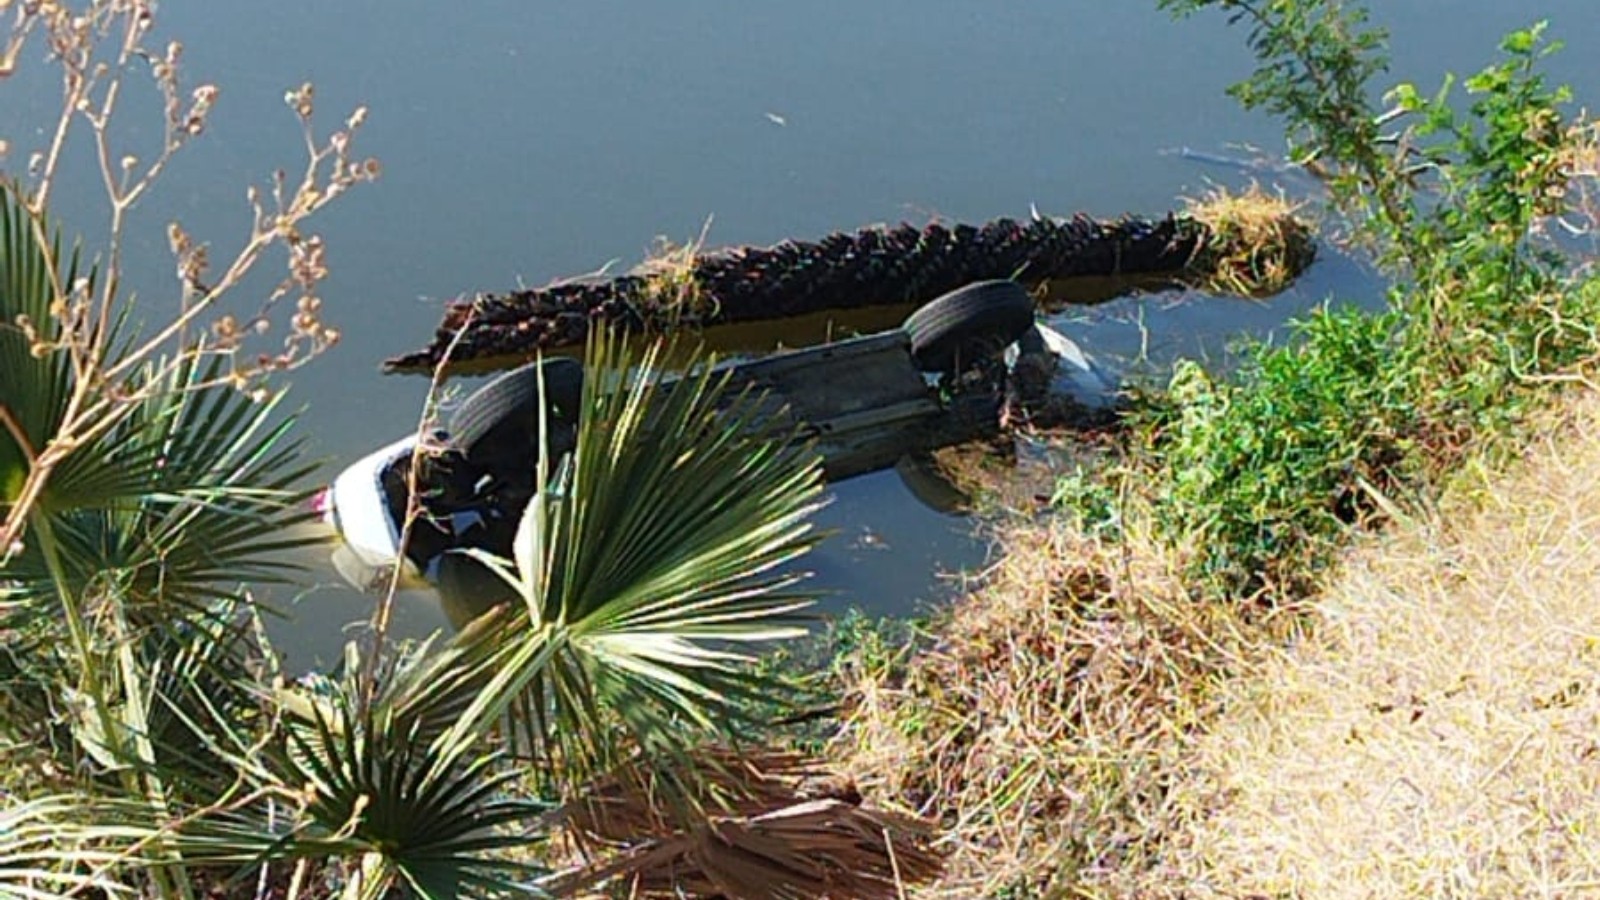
1255 244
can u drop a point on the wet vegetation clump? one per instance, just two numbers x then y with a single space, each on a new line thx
1255 243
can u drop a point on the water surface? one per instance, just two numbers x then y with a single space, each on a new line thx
525 141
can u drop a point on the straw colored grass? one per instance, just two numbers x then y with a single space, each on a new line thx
1440 735
1039 730
672 296
1256 244
1427 726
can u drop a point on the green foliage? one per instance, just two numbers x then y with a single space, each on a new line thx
378 781
192 458
876 643
1317 60
116 660
141 679
46 852
1502 310
1263 471
1090 499
188 493
34 270
662 550
372 790
853 647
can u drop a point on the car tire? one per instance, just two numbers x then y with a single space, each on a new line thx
949 332
468 589
499 423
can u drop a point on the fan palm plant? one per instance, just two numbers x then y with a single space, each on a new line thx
187 490
660 548
639 570
46 852
657 550
361 785
650 555
317 788
188 493
185 455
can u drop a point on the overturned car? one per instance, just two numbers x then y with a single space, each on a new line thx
865 403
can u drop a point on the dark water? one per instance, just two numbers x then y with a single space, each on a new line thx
524 141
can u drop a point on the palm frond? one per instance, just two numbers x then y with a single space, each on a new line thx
47 852
340 778
185 460
196 489
787 832
205 675
257 778
643 570
33 387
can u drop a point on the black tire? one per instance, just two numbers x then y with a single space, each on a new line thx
468 589
498 425
952 331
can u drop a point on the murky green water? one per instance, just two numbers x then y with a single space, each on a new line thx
524 141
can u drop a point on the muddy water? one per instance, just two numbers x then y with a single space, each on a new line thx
528 141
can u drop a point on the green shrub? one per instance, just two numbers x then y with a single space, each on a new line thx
1263 471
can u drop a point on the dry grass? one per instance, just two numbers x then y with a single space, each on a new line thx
672 296
1440 736
1041 728
1256 246
786 829
1428 726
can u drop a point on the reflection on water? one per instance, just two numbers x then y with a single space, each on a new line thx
524 142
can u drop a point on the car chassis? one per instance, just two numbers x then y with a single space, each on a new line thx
864 402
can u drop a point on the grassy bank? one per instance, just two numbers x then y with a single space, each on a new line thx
1419 724
1042 724
1436 737
1291 640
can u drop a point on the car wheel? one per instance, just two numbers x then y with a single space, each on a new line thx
498 425
468 589
950 332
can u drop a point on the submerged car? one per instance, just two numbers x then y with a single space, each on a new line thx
865 402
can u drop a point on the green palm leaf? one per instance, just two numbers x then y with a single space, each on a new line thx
256 776
641 570
437 816
174 504
33 388
193 487
46 851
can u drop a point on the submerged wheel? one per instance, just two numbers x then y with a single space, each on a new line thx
468 589
497 427
952 331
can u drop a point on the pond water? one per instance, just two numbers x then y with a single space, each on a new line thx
526 141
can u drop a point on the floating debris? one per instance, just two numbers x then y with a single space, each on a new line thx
874 266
